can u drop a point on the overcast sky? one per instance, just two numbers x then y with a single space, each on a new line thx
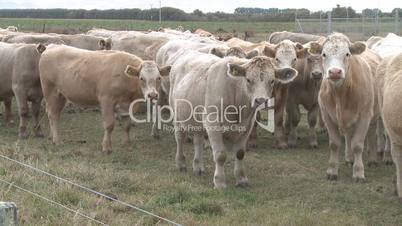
204 5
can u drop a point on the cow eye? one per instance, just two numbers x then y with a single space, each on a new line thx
294 59
159 78
324 55
141 78
348 54
248 80
277 59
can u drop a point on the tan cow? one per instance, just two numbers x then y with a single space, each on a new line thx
372 41
19 76
391 110
347 101
87 42
285 54
44 39
248 46
203 33
304 91
203 85
233 51
90 78
301 38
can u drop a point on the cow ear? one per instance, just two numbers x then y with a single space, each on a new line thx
269 51
132 71
251 54
165 71
315 48
301 53
41 48
285 75
357 48
235 70
217 52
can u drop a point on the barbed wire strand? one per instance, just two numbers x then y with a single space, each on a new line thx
90 190
53 202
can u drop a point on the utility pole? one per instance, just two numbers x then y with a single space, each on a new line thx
160 11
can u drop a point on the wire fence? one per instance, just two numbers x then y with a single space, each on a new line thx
357 28
91 191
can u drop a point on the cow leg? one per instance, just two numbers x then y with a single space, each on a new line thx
36 104
107 109
312 122
155 130
8 117
239 172
387 151
357 146
396 151
252 140
280 102
219 155
126 123
23 110
348 148
293 119
372 143
335 145
380 132
54 105
321 124
198 162
180 137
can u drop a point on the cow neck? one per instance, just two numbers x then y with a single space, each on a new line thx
343 92
240 96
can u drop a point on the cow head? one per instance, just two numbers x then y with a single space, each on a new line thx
233 51
150 76
285 53
336 52
260 75
313 67
105 44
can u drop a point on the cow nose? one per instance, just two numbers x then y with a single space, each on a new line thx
335 71
153 96
317 75
259 101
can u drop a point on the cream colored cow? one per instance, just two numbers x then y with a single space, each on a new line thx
108 79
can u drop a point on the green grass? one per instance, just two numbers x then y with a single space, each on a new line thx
287 187
70 25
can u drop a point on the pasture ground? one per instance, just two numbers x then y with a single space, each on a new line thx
288 187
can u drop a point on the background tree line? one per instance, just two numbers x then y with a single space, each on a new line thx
174 14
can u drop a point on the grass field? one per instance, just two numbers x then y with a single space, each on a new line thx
287 187
67 25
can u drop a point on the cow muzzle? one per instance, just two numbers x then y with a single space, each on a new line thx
316 75
153 96
259 101
335 74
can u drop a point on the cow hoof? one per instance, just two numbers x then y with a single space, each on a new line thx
10 123
220 186
243 184
198 172
400 200
156 136
313 146
292 146
252 145
282 146
373 164
332 177
39 135
389 162
23 136
182 168
189 140
108 152
359 180
349 163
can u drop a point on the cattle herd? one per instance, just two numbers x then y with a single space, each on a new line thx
352 90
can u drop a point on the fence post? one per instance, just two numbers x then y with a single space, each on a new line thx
320 22
396 22
329 22
363 23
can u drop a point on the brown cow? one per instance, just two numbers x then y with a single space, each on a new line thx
391 110
347 100
304 91
202 33
19 76
107 78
